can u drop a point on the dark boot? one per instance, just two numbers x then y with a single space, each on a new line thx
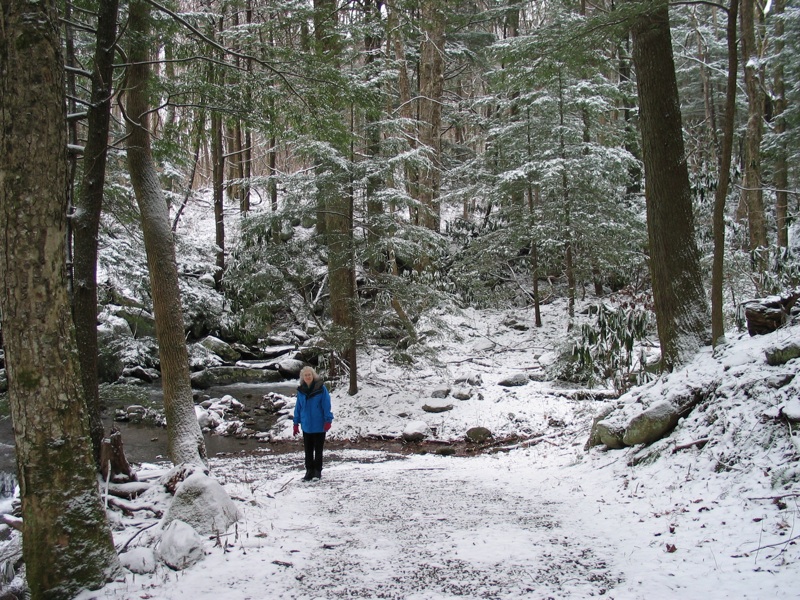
318 474
308 476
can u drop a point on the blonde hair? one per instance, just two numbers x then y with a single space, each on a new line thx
308 369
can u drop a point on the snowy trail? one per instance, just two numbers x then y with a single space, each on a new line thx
423 527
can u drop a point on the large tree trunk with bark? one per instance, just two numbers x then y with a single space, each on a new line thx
781 169
86 220
431 89
721 193
67 544
754 86
336 205
186 444
680 301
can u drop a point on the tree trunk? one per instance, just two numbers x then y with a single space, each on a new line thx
337 205
754 86
185 439
431 90
721 193
680 302
218 180
781 174
86 220
67 545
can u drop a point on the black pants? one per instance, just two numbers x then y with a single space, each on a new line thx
313 444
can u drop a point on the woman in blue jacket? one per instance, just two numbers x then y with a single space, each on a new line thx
313 412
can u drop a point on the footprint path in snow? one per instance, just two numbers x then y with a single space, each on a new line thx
425 528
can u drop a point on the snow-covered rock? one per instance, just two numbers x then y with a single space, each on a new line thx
202 502
437 405
791 410
463 393
181 546
514 380
478 435
416 431
139 560
290 368
651 424
440 392
220 348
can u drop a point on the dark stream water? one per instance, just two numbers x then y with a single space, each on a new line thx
148 443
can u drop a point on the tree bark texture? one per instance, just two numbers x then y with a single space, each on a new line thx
721 193
754 86
680 302
781 169
338 213
67 543
185 440
217 185
431 90
86 218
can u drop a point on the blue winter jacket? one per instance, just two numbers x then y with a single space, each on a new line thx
313 407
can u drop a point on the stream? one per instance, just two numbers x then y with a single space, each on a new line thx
146 442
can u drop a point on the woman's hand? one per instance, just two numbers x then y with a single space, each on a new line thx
296 429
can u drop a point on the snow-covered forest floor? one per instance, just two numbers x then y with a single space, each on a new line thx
544 519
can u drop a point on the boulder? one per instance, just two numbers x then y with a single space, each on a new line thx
222 349
180 546
227 375
139 560
463 393
201 502
440 392
201 357
594 435
141 322
791 410
610 433
437 406
651 424
514 380
478 435
290 368
474 379
146 375
416 431
783 353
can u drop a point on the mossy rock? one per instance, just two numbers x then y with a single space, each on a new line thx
780 355
651 424
478 435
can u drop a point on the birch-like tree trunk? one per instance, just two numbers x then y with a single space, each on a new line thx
67 545
680 302
185 440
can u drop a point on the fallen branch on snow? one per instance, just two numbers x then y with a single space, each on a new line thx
699 443
132 507
12 521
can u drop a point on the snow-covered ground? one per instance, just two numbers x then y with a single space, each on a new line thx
542 518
